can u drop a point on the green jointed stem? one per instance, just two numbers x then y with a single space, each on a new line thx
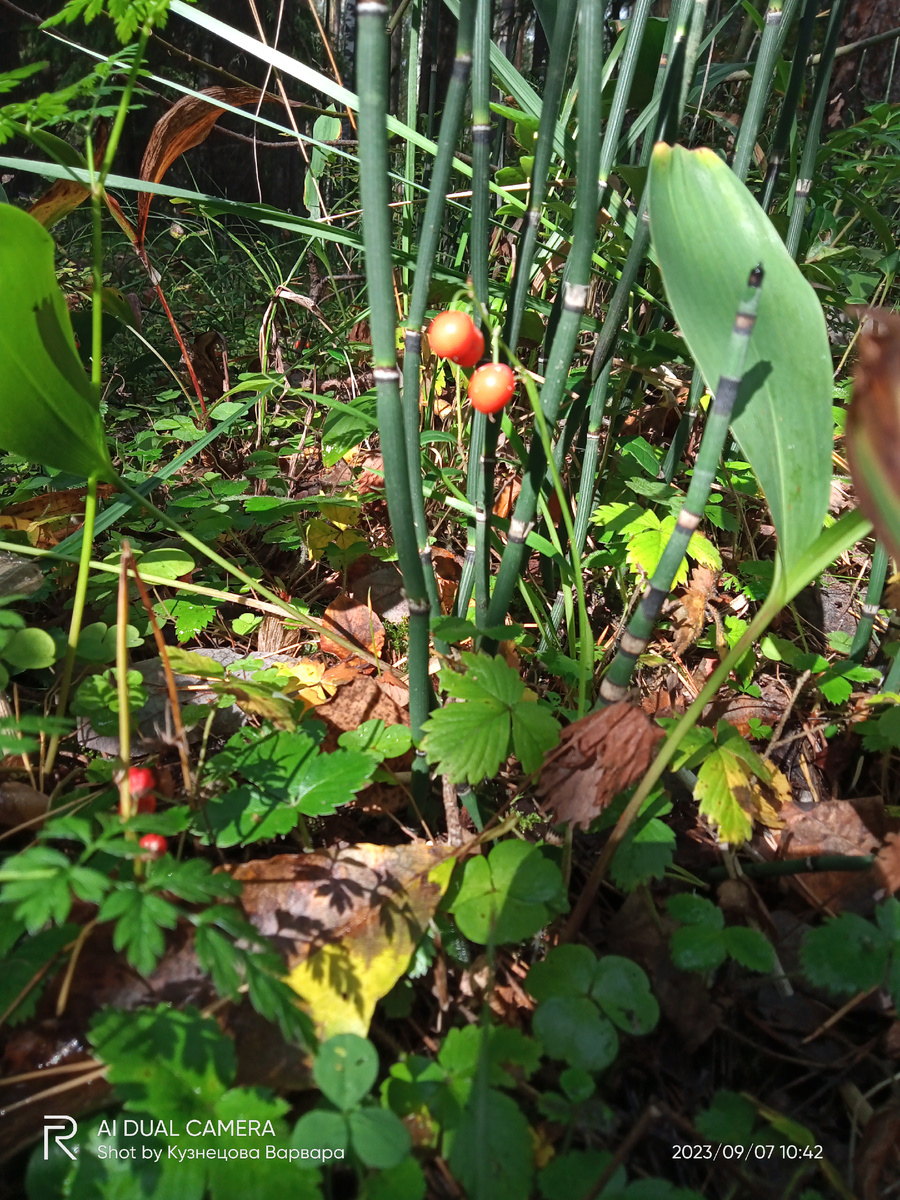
637 23
779 17
588 485
81 582
788 113
877 576
634 640
566 11
429 242
803 184
483 438
575 293
373 71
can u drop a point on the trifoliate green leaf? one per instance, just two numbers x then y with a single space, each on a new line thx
469 740
504 898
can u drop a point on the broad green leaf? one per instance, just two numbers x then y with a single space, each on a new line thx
622 990
571 1028
345 1069
566 971
49 413
698 948
378 1137
30 650
492 1150
749 947
504 898
709 232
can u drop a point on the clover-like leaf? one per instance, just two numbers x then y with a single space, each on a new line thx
504 898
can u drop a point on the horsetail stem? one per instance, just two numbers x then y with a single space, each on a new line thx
429 241
788 113
373 60
779 17
877 575
640 629
574 300
803 183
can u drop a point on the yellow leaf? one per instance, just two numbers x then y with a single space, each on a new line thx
349 920
322 534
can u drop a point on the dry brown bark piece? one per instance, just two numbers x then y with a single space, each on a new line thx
598 757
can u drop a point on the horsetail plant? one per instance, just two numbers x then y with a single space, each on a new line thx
803 184
575 288
640 629
373 68
483 440
779 17
429 241
788 114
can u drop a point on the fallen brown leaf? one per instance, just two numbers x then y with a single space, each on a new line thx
689 618
353 620
346 921
597 758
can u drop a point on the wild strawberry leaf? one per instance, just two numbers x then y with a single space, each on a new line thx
470 740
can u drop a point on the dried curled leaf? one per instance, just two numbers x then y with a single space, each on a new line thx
597 758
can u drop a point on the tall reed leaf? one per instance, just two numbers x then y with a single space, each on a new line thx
48 410
708 232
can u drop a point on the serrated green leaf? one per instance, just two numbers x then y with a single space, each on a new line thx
723 780
164 1060
470 740
695 910
847 954
22 974
467 742
140 919
729 1119
535 732
698 948
750 948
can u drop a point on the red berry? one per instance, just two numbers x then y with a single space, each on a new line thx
453 335
491 387
473 352
141 782
154 843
